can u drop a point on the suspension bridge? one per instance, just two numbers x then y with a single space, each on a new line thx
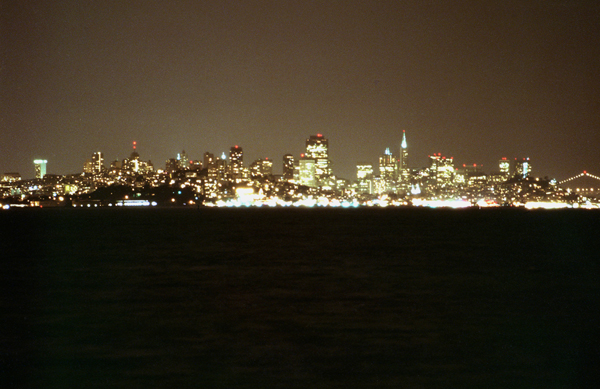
585 173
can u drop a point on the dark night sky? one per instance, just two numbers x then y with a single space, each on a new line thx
475 80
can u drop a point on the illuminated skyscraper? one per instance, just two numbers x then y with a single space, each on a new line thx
317 148
209 159
307 171
236 164
183 161
94 165
403 170
441 171
261 168
97 162
288 167
220 167
504 165
40 168
364 175
523 168
364 171
388 172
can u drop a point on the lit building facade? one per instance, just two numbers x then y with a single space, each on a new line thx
403 169
209 159
307 171
364 176
236 164
95 165
11 177
288 167
388 172
136 165
261 168
172 165
97 162
522 168
183 161
317 149
504 167
441 171
40 167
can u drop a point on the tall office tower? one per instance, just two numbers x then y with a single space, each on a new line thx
523 168
288 167
388 171
97 162
218 169
88 167
183 161
236 164
209 159
364 171
504 165
261 168
307 171
317 148
403 171
364 175
441 171
40 168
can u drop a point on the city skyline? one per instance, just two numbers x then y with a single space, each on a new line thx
400 157
474 80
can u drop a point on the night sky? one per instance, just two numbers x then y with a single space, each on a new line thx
473 80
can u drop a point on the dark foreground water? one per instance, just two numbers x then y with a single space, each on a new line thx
263 298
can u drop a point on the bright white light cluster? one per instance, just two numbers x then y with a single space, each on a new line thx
546 205
442 203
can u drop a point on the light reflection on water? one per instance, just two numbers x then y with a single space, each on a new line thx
297 298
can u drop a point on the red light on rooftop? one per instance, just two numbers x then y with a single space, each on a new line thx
236 146
320 135
584 172
475 164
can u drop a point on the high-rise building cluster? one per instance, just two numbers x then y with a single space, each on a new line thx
226 180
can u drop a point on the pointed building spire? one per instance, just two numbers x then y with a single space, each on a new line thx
404 145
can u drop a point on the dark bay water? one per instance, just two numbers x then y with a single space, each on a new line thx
319 298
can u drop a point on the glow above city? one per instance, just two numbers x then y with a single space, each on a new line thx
474 80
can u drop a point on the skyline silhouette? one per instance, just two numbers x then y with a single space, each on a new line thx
477 80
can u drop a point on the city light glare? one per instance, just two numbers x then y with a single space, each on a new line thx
546 205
